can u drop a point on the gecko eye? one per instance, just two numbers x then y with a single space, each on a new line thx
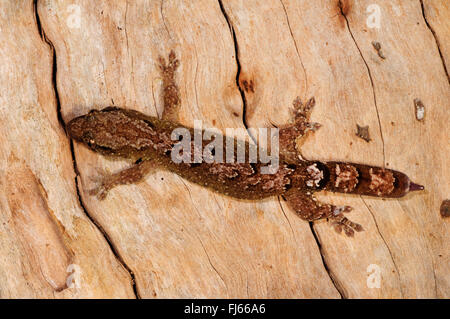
254 168
292 166
88 137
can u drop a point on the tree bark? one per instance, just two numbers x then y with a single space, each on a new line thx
242 65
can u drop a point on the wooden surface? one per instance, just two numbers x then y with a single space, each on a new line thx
242 64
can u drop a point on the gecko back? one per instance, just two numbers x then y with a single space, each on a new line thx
148 142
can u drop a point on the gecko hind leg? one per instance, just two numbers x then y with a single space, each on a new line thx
171 93
310 209
290 133
131 175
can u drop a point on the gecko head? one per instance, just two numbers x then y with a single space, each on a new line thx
93 130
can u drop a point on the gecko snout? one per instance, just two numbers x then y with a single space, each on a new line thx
79 128
75 128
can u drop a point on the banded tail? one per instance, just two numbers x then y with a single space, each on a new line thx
367 180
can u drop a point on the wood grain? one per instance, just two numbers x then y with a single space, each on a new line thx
242 64
50 248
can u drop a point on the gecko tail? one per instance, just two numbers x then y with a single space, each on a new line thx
368 180
415 187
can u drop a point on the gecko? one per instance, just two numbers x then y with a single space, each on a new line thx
147 141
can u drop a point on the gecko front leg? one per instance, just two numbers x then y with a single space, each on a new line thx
131 175
310 209
171 94
290 133
135 173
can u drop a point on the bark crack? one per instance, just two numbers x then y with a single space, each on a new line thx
190 196
54 66
130 56
435 39
336 285
248 294
201 242
285 216
296 49
195 77
163 20
210 262
244 120
385 243
107 238
62 123
431 258
339 289
370 78
239 69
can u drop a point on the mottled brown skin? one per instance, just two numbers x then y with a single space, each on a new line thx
445 208
146 140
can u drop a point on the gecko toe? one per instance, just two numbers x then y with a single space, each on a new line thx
94 191
102 194
313 126
310 104
349 231
358 227
162 62
340 222
337 228
99 191
297 103
172 56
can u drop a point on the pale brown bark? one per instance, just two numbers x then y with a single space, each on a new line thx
242 64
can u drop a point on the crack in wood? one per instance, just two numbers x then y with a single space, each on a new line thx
108 240
63 125
244 100
336 285
201 242
340 5
163 20
100 228
130 56
285 216
54 65
238 73
385 243
37 19
211 264
296 49
435 39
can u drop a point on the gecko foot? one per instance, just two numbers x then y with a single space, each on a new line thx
340 222
171 93
130 175
172 64
302 112
101 190
290 134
